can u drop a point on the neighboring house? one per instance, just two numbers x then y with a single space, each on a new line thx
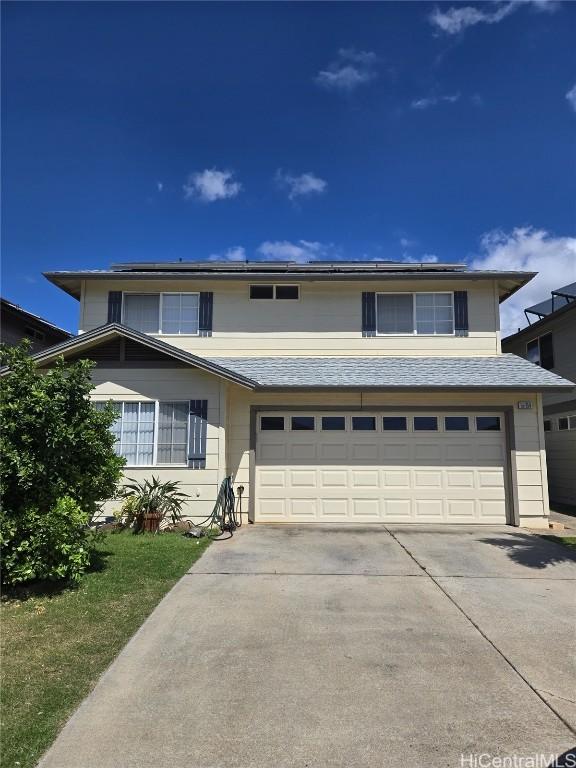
550 342
334 393
17 324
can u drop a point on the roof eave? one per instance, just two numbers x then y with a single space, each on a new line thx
91 338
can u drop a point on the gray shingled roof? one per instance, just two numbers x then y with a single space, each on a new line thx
499 372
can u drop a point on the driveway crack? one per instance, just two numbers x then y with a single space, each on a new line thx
484 635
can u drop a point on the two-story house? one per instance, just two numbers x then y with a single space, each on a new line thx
17 323
550 342
334 393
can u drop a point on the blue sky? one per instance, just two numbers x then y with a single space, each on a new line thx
151 131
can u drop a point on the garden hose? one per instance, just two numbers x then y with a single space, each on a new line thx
224 518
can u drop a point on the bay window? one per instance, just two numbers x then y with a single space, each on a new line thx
415 313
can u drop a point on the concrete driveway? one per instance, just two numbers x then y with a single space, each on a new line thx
348 648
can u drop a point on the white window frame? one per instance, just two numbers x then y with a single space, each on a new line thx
414 294
274 286
159 332
155 462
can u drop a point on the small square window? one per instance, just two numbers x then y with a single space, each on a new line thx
394 423
547 425
364 423
572 422
563 423
287 292
275 423
456 424
302 423
261 291
488 423
333 423
425 423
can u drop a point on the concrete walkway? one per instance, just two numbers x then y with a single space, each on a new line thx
344 647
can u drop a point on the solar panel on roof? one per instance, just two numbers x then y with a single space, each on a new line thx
560 297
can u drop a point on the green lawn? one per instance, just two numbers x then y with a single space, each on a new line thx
567 541
54 647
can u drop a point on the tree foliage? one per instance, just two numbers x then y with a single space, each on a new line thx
57 462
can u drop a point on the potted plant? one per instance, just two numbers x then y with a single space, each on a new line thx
151 501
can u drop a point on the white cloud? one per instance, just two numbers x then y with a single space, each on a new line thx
301 251
531 250
304 185
210 185
159 186
571 97
350 69
433 101
457 19
237 253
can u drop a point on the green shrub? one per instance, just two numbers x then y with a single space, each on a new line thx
57 462
45 545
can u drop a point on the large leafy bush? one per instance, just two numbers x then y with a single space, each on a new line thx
57 462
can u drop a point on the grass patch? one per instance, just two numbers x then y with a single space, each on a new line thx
56 643
567 541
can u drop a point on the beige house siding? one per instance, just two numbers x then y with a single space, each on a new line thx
326 320
146 384
528 493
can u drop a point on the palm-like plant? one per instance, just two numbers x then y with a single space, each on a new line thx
154 500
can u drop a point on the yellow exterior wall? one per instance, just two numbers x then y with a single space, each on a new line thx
147 384
326 320
528 460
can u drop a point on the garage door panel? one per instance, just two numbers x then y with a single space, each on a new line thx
330 478
366 478
351 476
366 510
460 510
303 478
333 452
303 510
333 510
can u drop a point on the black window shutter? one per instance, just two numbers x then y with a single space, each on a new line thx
114 306
461 313
368 314
205 313
197 434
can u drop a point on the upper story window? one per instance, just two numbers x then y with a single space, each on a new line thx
541 352
170 313
279 292
415 313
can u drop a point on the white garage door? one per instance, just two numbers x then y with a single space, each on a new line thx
402 467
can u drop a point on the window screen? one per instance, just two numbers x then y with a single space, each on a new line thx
287 292
141 311
394 313
533 351
179 313
173 433
546 351
434 313
261 291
